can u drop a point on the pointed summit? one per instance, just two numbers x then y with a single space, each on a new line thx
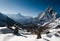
49 9
48 15
19 14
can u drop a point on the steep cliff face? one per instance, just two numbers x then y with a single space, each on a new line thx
5 20
48 15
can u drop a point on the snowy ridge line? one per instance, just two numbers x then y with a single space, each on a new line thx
42 15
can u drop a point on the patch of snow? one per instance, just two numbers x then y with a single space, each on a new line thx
54 38
45 37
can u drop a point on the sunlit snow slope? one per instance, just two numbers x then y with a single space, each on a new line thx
6 35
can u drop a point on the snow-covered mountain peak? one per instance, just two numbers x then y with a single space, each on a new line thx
49 9
48 15
20 15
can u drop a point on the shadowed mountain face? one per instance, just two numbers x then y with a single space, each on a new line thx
4 20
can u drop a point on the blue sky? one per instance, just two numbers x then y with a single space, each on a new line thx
27 7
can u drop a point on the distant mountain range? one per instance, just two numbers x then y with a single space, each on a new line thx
19 18
48 15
